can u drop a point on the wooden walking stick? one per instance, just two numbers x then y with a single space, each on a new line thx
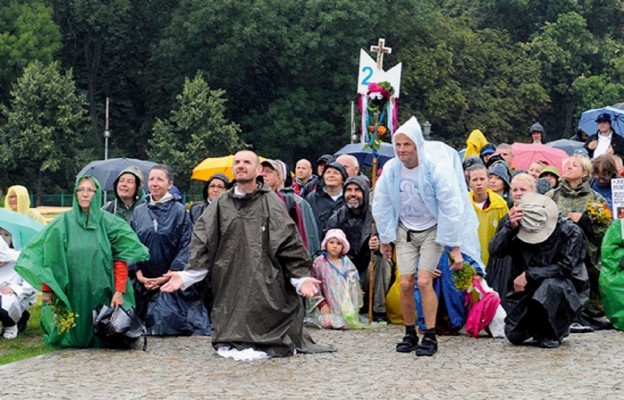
373 255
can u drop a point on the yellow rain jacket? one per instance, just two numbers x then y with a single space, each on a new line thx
475 142
23 203
488 220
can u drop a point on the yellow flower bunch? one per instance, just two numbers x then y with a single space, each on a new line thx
599 212
64 318
463 277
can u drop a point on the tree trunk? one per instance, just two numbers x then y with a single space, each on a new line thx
569 108
39 187
93 54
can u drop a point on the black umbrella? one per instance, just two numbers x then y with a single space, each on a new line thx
106 171
365 156
568 145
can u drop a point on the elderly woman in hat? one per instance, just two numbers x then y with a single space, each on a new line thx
605 141
501 271
552 286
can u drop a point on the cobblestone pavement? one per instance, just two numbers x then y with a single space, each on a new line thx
586 366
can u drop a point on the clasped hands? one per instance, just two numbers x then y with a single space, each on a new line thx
153 283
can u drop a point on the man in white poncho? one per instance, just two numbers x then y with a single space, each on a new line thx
421 205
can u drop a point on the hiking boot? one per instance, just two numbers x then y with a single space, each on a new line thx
427 347
408 344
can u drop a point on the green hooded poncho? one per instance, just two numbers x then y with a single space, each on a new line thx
74 256
612 275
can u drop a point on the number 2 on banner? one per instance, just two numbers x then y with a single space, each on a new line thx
369 72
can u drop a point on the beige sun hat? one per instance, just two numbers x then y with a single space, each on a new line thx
539 219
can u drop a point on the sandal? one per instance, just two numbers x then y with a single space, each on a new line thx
427 347
408 344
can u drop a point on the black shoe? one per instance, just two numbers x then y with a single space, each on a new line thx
408 344
427 347
548 343
380 317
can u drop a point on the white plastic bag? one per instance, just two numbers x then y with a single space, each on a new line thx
497 326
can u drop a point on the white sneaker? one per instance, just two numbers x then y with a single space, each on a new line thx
10 332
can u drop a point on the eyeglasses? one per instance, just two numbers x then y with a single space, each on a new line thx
216 187
86 190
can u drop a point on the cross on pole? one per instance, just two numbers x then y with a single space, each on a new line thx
380 49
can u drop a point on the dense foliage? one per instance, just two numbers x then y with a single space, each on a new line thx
280 75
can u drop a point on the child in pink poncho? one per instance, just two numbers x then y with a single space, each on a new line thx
340 295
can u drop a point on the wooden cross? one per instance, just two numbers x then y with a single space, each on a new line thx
380 49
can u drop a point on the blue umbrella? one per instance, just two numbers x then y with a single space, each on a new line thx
20 226
588 123
365 155
106 171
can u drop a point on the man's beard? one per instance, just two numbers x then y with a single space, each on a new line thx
352 205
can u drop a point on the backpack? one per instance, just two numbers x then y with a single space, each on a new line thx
482 312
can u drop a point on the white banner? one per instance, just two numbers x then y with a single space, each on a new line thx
368 73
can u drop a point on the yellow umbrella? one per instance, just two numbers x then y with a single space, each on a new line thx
215 165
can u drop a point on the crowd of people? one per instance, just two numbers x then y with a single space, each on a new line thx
265 254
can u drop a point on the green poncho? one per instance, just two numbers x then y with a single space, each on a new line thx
74 256
612 275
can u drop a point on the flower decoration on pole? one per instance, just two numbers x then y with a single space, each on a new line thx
378 112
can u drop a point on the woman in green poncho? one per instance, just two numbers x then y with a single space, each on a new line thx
80 261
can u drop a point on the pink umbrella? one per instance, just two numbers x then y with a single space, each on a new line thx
526 153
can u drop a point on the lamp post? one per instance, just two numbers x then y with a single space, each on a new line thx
106 133
427 130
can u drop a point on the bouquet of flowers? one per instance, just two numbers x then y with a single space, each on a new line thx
463 279
64 318
599 212
378 100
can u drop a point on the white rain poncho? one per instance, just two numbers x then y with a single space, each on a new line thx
442 189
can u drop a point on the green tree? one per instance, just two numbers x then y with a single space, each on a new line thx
566 51
45 128
288 67
27 33
196 129
461 79
108 45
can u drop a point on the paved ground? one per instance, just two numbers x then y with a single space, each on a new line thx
586 366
